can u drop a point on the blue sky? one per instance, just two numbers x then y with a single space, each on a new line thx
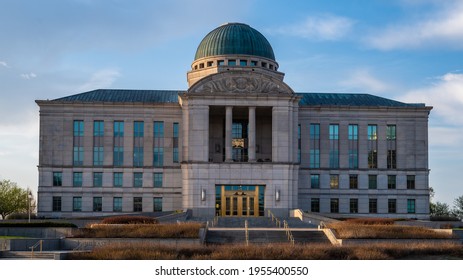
408 50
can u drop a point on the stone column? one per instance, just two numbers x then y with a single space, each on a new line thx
228 133
252 135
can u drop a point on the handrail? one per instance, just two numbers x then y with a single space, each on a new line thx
274 219
246 232
288 232
82 245
38 243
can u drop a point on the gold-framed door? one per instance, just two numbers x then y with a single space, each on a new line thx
239 203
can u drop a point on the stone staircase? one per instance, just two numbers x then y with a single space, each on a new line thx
17 255
262 230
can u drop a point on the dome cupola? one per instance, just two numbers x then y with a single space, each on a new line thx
233 47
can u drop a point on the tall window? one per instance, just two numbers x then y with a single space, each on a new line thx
138 135
392 206
158 144
354 205
315 205
137 204
353 181
314 145
373 205
353 146
372 181
175 143
391 182
157 204
391 147
334 146
410 206
77 179
97 204
334 205
117 204
78 143
334 181
410 182
157 180
315 181
97 179
98 143
372 146
118 154
77 204
57 179
299 143
138 179
117 179
56 207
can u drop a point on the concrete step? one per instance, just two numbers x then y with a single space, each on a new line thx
27 255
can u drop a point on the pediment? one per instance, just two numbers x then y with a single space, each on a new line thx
240 83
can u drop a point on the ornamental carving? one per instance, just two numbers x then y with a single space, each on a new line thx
240 84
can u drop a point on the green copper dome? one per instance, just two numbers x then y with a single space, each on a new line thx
234 38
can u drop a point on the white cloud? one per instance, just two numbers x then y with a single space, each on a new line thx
362 80
4 64
442 28
445 95
28 76
322 28
101 79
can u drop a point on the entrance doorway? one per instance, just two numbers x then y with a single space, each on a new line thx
239 200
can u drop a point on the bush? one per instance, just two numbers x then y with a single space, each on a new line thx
38 224
444 219
146 251
20 216
371 221
129 220
187 230
345 230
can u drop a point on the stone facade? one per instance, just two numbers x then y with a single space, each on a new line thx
237 131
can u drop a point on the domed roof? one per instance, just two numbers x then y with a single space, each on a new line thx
234 38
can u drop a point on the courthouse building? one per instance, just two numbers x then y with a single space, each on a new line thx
237 142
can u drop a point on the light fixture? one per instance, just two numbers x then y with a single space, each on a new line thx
203 194
277 195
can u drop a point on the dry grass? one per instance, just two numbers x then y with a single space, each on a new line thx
371 221
144 251
349 230
186 230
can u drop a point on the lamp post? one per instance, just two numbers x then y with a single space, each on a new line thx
29 196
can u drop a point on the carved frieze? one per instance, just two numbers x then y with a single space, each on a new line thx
241 84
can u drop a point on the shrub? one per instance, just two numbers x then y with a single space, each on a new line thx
371 221
360 231
129 220
20 216
187 230
38 224
444 218
146 251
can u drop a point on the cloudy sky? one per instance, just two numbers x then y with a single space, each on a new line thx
409 50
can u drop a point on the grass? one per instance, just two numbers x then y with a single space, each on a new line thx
186 230
144 251
37 224
12 237
359 230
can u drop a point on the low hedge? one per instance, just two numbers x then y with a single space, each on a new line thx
38 224
129 220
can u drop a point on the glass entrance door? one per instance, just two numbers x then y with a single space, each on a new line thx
239 201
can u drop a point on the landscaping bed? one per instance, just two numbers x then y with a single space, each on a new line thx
144 251
185 230
382 229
